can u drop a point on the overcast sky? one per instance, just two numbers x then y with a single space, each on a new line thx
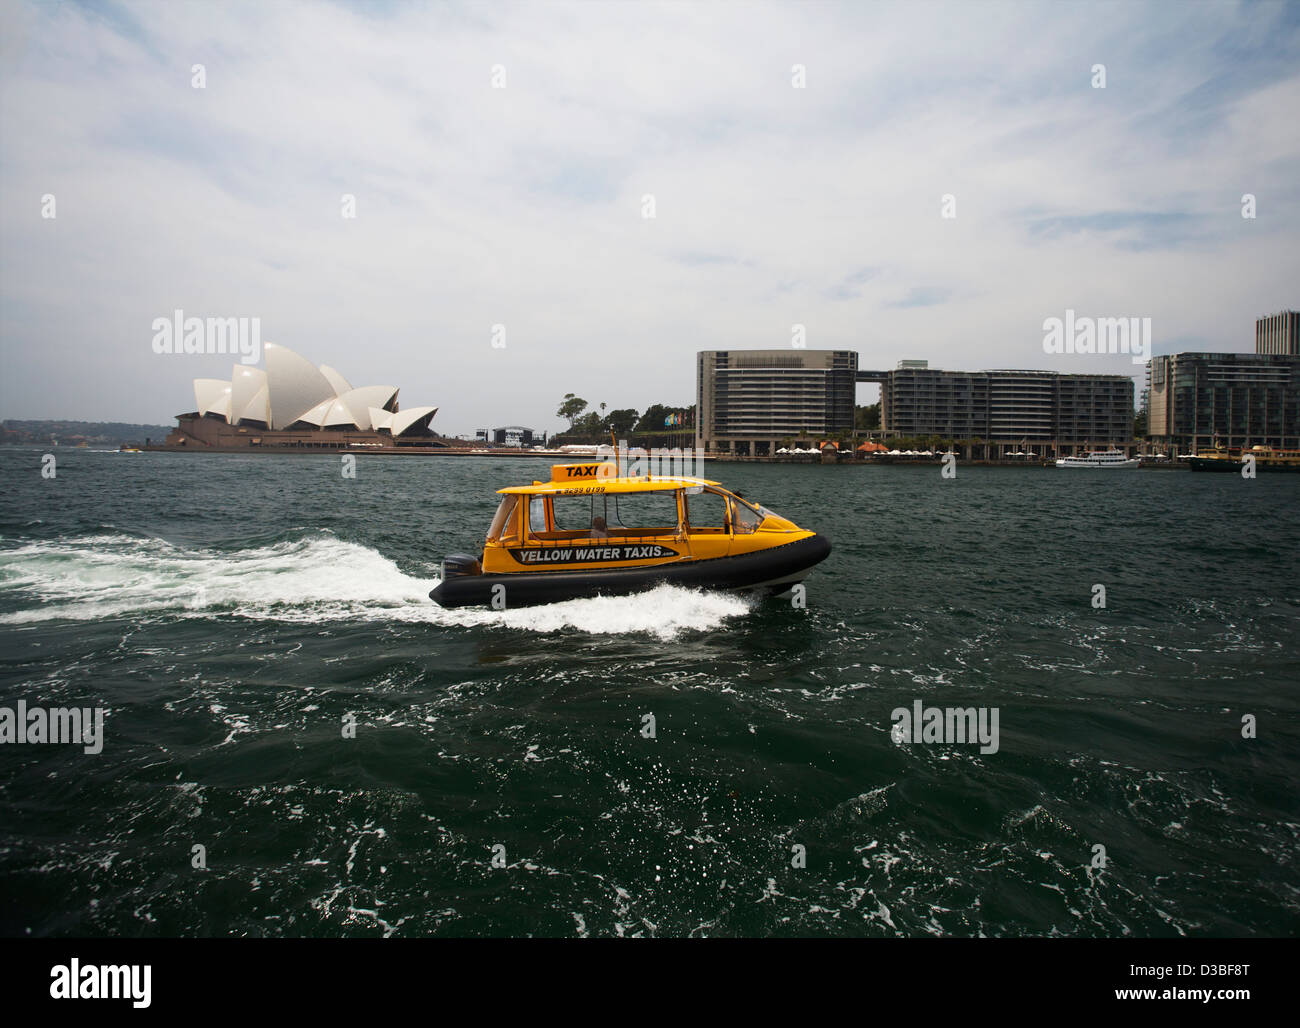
523 206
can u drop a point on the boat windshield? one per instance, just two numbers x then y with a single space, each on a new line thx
744 518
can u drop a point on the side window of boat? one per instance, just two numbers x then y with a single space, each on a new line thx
536 515
574 513
650 512
707 511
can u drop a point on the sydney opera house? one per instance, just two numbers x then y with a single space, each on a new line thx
295 405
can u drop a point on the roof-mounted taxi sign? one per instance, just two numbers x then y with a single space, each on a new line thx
594 472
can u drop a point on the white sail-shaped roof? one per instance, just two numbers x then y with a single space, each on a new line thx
250 395
351 409
222 406
360 401
296 386
404 421
317 415
292 389
338 415
340 384
259 407
209 392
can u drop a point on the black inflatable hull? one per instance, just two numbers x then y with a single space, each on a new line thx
749 571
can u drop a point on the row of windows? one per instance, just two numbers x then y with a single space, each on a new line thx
652 513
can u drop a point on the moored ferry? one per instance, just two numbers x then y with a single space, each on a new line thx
1099 459
589 531
1267 458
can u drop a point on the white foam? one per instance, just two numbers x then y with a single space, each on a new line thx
663 611
315 579
95 577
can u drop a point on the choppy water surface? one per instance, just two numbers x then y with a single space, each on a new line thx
231 612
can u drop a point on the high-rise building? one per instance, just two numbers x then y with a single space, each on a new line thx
1051 411
1196 401
1278 333
750 400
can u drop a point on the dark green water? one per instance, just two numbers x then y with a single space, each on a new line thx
230 612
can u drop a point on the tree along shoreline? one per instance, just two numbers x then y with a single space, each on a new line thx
55 431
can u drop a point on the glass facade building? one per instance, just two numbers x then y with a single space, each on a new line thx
1047 410
1278 333
748 401
1196 401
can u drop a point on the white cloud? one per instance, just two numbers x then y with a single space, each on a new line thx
521 206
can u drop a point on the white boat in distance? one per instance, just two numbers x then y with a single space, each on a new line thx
1099 459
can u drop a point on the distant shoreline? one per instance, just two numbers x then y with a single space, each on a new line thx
441 451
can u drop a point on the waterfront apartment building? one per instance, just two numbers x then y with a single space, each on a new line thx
1278 333
1196 401
1050 413
748 401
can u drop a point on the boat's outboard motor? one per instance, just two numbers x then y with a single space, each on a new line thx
460 564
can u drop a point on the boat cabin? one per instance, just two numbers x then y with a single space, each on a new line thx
586 515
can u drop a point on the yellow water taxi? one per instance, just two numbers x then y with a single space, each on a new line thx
591 531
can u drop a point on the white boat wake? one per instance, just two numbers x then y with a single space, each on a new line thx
311 580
